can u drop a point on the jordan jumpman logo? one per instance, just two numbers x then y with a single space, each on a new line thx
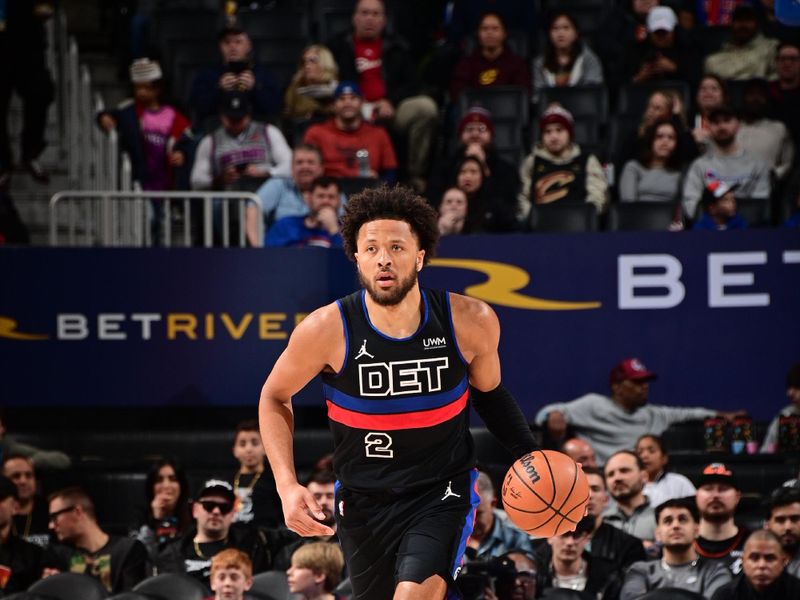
449 492
363 351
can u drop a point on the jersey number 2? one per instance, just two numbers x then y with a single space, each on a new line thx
378 445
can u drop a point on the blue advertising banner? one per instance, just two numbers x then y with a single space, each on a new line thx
715 315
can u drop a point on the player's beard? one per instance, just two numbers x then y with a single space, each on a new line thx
391 297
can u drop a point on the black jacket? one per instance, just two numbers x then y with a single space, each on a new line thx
615 547
25 561
785 587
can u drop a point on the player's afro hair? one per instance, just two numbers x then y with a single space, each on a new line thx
398 203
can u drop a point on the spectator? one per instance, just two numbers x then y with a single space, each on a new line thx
152 133
580 451
712 93
30 515
42 459
231 574
665 54
719 209
557 170
344 138
20 560
567 59
749 54
727 162
680 566
720 537
633 513
237 73
242 153
492 533
192 552
310 92
785 90
656 175
523 587
258 502
764 575
168 514
316 571
492 62
784 521
488 211
764 138
24 37
117 562
381 64
453 212
319 228
770 443
662 484
467 15
617 422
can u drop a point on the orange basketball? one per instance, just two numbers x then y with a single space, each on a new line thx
545 493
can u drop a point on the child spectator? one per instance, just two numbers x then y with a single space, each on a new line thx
558 170
453 212
310 93
656 174
231 574
662 484
257 501
316 570
719 208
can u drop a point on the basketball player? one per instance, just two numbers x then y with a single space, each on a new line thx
399 365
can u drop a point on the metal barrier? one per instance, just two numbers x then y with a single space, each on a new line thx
135 218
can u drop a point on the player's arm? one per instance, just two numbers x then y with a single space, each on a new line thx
478 335
312 347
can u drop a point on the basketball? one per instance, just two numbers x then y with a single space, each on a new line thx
545 493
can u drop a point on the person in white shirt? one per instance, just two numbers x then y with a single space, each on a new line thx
662 485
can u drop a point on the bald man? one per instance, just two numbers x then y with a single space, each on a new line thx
580 451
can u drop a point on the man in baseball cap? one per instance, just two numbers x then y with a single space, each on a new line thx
717 497
20 561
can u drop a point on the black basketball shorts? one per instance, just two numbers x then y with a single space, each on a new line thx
389 538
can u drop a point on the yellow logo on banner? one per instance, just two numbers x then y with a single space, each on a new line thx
8 329
503 284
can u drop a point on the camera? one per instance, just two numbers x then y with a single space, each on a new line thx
497 574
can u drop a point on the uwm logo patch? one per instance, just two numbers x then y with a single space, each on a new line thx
434 342
401 377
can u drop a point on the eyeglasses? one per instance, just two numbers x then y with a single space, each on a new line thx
54 515
210 505
476 128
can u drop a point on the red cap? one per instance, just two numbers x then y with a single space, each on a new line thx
630 368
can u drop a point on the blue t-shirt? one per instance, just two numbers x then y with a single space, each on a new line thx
292 231
707 223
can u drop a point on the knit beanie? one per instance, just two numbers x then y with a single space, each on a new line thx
557 114
476 114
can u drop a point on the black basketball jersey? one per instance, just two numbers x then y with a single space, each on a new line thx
399 408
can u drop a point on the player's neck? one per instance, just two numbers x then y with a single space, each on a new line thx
400 320
718 530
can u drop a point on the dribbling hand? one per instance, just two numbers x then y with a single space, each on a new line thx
302 513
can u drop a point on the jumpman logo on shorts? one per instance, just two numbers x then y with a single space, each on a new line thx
363 351
449 492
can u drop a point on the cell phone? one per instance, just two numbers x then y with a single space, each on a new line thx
238 66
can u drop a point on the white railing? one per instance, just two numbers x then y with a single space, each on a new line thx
143 219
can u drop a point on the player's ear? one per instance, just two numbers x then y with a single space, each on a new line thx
420 260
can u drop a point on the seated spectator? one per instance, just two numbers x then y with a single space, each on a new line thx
492 533
467 15
662 484
524 585
492 62
719 209
231 574
42 459
488 211
680 566
785 90
237 73
453 212
764 138
749 54
20 561
242 153
30 515
319 228
620 35
580 451
609 423
720 537
258 501
770 443
192 552
764 574
665 54
310 92
656 175
557 170
567 564
567 59
316 571
152 133
117 562
625 477
381 64
168 511
712 93
784 521
344 138
727 162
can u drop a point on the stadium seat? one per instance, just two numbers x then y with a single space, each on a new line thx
712 38
331 17
580 100
563 217
354 185
169 586
670 594
278 24
641 216
632 98
271 585
620 128
503 101
171 25
69 586
280 57
755 211
555 593
130 596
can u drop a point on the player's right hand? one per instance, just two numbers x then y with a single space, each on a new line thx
302 513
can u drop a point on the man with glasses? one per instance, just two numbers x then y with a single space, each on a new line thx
192 552
117 562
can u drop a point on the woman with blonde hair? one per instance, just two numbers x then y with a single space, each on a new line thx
310 92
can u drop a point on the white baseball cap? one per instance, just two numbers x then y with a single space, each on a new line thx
661 18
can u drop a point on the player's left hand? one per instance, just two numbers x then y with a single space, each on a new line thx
302 513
